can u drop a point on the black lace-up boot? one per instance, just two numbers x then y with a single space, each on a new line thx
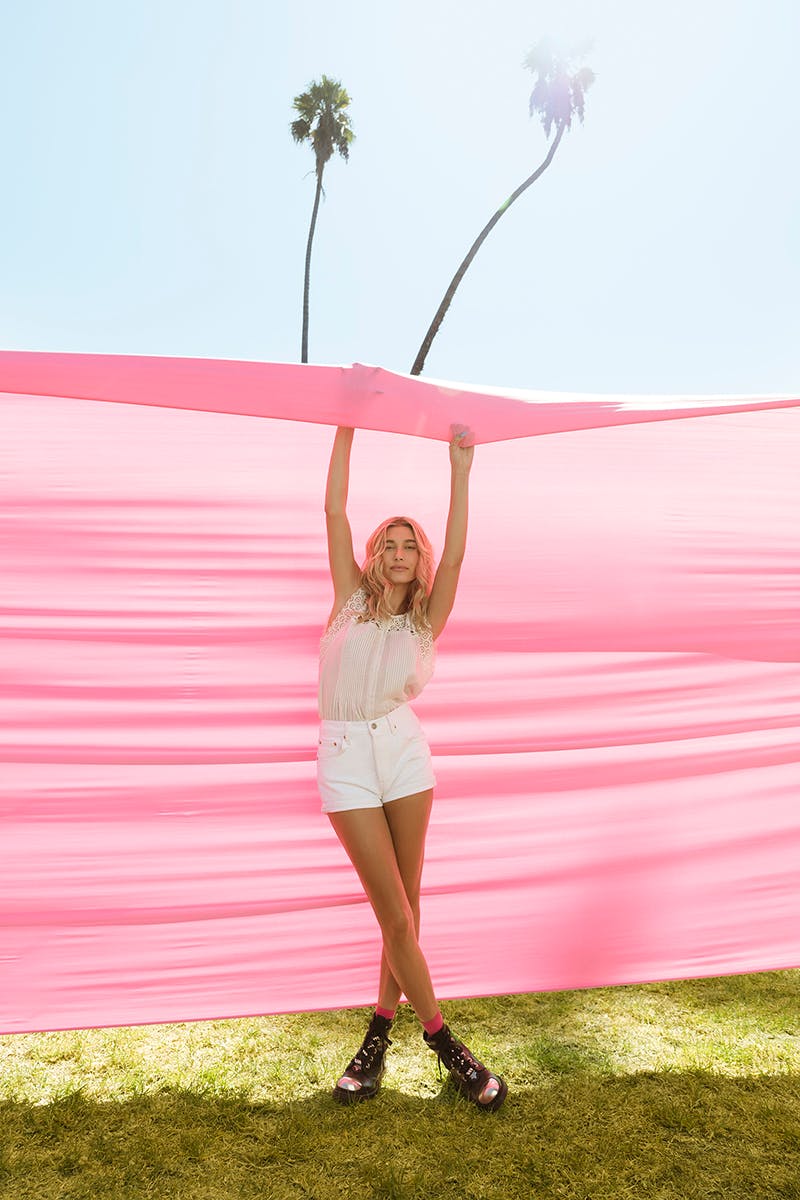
364 1072
472 1079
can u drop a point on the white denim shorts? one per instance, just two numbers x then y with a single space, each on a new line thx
365 764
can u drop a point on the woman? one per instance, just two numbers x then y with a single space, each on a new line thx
374 763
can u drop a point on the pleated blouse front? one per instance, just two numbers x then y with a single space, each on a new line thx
368 668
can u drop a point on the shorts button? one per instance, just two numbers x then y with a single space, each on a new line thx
374 726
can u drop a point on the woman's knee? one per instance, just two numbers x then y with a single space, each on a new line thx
399 925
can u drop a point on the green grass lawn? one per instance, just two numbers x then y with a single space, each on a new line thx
685 1090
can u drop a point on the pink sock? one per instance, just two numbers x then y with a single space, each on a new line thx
388 1013
434 1025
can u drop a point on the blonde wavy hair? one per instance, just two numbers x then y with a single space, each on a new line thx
378 587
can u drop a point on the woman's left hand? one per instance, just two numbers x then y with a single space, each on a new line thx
461 454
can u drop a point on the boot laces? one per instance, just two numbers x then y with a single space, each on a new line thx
371 1049
460 1060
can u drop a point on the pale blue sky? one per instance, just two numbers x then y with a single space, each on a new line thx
154 202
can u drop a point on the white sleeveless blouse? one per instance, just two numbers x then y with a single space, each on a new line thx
366 669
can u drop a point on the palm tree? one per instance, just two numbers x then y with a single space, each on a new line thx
323 121
557 96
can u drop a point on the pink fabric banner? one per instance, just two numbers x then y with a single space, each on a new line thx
614 715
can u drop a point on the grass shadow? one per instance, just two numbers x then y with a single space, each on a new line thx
693 1135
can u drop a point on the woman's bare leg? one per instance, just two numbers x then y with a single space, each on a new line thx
367 840
368 836
408 824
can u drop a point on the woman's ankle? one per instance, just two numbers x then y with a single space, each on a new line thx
434 1025
388 1014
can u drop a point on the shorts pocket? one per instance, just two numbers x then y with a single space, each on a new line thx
330 747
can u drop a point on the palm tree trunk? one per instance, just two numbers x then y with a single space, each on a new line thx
307 280
422 354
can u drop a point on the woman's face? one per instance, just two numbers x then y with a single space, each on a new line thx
401 555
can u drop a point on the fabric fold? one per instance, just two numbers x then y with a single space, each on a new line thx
361 396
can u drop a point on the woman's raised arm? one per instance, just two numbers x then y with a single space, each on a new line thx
345 571
443 592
